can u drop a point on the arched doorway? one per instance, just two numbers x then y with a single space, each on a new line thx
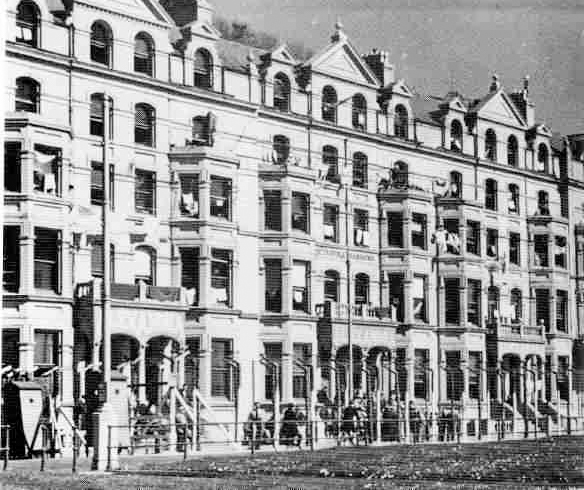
511 382
125 353
160 367
342 366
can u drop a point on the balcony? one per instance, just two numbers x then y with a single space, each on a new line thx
340 311
505 329
139 293
405 186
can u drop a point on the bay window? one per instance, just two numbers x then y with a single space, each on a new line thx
11 262
221 197
221 282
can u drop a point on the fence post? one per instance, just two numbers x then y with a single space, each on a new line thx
185 441
74 469
109 447
43 445
253 434
198 425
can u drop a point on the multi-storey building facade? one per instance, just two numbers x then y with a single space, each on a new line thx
262 209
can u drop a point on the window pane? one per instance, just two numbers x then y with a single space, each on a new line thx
273 274
11 267
46 257
12 167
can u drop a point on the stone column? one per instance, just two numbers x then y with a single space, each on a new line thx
287 285
552 327
205 196
553 378
407 236
463 301
142 374
27 259
205 276
26 350
408 299
205 367
286 211
441 302
286 372
443 375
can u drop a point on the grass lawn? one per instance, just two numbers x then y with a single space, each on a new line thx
558 461
509 465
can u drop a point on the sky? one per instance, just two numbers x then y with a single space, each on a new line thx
439 45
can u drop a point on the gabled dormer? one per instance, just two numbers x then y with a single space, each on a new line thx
278 78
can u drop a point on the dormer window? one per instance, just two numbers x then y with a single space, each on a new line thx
400 123
144 54
456 136
329 104
490 145
359 112
512 151
282 92
27 24
542 158
203 76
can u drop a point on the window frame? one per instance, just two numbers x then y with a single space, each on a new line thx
145 56
301 212
203 69
221 367
360 170
101 47
490 145
330 218
190 258
282 92
221 190
41 251
359 110
401 121
329 104
145 126
273 285
222 257
304 290
33 24
11 259
272 210
145 191
25 102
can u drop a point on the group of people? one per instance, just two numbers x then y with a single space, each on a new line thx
261 427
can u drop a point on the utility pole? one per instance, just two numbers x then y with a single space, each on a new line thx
104 456
348 271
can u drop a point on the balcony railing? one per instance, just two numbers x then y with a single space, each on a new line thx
132 292
508 328
339 311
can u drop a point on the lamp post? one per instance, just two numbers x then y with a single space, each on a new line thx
104 430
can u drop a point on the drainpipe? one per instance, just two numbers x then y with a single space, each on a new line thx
348 265
105 316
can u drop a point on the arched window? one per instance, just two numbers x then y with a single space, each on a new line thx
361 289
400 122
542 158
281 146
360 170
282 92
144 125
490 145
330 159
27 23
456 136
331 286
27 95
203 69
400 176
359 112
543 203
144 54
513 204
329 104
96 116
512 151
455 185
516 305
144 265
491 195
101 43
492 303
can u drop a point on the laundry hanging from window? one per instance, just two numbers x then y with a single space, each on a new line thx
45 171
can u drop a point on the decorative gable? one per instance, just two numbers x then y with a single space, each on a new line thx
283 55
203 29
342 61
147 10
498 107
400 88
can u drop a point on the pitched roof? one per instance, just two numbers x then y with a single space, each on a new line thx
181 11
234 55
